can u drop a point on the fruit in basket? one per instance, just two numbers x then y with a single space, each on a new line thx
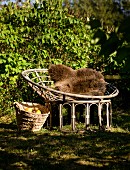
28 109
38 112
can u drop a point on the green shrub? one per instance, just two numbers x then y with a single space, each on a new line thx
36 36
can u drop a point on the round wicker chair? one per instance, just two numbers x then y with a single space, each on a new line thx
40 81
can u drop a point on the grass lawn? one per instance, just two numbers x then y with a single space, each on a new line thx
44 150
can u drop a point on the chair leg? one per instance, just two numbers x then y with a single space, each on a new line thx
99 115
110 114
73 116
107 116
87 116
60 116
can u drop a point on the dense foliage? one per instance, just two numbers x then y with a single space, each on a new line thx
81 34
109 20
115 46
36 36
107 11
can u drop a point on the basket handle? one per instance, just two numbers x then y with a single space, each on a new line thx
18 105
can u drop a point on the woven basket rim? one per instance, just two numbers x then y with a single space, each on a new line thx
21 105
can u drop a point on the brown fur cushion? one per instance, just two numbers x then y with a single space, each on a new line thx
83 81
60 72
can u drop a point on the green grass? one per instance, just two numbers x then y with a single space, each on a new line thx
46 150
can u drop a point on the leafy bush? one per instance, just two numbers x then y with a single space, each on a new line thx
36 36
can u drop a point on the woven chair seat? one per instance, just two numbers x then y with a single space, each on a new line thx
40 81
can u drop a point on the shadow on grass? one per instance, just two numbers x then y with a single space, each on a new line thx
8 126
46 149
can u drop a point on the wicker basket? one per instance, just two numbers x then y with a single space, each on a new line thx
29 120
